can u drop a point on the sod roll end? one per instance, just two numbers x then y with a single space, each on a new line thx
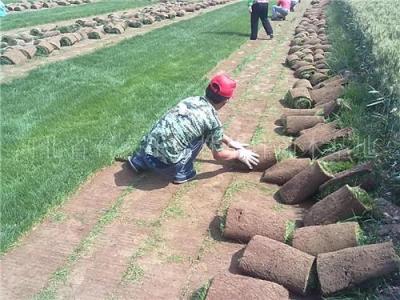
351 266
271 260
237 287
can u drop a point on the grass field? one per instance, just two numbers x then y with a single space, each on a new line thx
32 18
371 100
68 119
368 48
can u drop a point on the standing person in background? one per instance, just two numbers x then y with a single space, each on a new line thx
280 11
3 9
259 10
293 4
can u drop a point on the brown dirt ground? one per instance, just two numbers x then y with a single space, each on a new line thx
162 242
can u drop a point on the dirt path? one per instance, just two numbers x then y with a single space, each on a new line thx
11 72
137 237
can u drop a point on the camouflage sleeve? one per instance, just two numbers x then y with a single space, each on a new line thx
214 139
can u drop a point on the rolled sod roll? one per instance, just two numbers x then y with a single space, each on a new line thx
271 260
354 177
68 39
333 81
49 34
341 205
295 124
267 157
305 72
300 112
44 48
303 185
11 40
285 170
148 20
341 155
266 160
309 58
315 240
317 78
302 83
237 287
292 59
299 98
55 42
180 13
12 57
311 140
247 219
190 8
295 49
327 93
114 28
300 64
134 23
95 34
29 51
351 266
318 57
330 107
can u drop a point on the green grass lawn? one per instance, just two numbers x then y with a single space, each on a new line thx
32 18
68 119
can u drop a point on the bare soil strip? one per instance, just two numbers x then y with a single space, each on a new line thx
11 72
157 245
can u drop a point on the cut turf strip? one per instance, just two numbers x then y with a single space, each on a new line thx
237 287
315 240
245 220
348 267
303 185
295 124
271 260
266 159
356 176
341 155
285 170
313 139
343 204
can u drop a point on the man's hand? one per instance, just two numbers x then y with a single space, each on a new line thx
250 9
236 145
249 158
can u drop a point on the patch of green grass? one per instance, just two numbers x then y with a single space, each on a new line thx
99 106
258 135
244 63
282 154
334 167
43 16
134 273
363 197
174 258
57 216
289 231
201 293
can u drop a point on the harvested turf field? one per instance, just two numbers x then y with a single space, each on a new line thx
55 135
31 18
310 221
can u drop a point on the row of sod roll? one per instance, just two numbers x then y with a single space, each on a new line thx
306 239
19 48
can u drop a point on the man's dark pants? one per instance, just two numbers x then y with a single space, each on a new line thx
259 11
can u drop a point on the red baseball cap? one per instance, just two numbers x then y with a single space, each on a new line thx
222 85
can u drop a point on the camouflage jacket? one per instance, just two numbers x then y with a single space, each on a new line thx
189 120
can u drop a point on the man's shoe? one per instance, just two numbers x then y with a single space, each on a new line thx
180 181
136 169
271 36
